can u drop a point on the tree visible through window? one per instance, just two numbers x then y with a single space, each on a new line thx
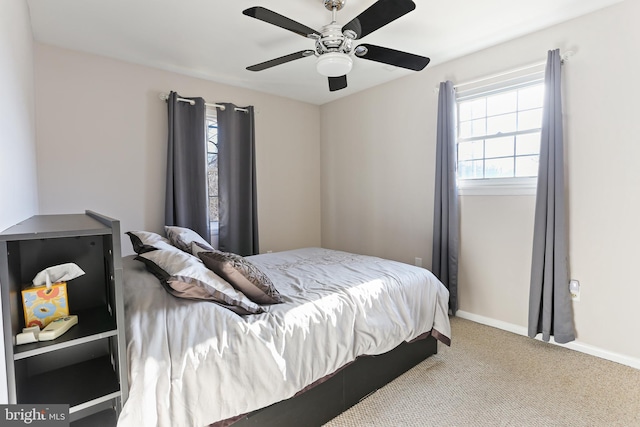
212 174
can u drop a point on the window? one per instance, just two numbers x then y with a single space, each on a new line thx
499 136
212 173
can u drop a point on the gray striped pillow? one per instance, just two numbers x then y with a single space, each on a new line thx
242 275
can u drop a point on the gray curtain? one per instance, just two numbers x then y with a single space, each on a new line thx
238 226
550 307
186 202
445 215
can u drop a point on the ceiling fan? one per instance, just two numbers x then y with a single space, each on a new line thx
334 44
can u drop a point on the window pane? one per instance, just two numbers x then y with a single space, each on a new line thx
212 136
503 103
212 168
530 97
504 123
464 111
470 170
478 108
212 175
464 129
472 128
499 168
473 109
527 166
479 127
528 144
499 147
531 119
213 209
470 150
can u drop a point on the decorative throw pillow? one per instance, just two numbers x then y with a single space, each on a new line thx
182 237
197 247
243 275
185 276
144 241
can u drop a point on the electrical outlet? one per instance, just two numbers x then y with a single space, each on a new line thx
574 290
418 262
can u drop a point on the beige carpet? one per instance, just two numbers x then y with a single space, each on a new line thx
490 377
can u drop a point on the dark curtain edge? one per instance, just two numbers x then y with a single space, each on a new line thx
445 246
238 227
550 306
186 206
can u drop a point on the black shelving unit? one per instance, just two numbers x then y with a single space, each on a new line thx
86 367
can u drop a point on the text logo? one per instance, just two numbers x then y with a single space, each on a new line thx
34 415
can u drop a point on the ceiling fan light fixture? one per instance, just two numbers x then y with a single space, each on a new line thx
334 64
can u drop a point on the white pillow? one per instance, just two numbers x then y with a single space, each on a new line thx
182 237
144 241
185 276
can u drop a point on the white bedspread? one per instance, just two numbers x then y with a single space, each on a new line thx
194 363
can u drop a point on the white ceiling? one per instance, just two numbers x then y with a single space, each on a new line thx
212 39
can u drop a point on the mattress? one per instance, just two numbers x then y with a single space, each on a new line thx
195 363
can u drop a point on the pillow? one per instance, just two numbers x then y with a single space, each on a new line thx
242 275
197 247
182 237
144 241
185 276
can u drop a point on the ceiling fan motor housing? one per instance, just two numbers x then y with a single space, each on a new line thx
333 40
334 4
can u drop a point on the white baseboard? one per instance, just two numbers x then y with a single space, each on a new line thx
575 345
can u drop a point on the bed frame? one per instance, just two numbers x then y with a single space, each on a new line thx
344 389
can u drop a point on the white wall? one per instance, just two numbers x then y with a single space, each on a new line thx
378 178
102 135
18 191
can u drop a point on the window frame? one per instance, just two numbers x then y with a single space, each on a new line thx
500 185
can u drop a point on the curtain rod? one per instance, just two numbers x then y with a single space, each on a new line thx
564 57
165 96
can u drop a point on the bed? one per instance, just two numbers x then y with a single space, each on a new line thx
193 363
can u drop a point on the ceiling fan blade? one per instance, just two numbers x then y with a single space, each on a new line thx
392 57
337 83
378 15
278 20
277 61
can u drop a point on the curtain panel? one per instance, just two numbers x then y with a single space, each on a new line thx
444 262
550 306
186 202
238 229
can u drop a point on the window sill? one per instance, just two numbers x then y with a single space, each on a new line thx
498 187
